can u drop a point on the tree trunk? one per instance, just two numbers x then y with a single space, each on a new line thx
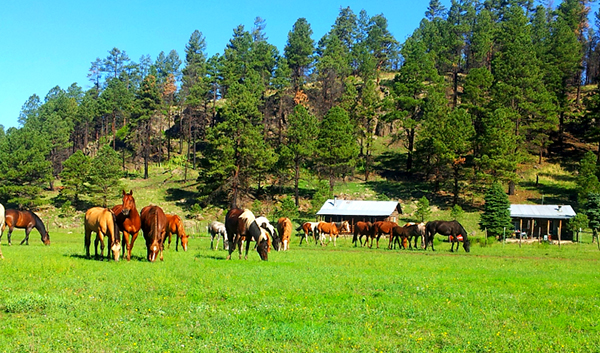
511 187
411 143
296 180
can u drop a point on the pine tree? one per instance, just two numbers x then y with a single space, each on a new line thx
104 176
298 51
74 176
592 209
423 211
587 179
496 211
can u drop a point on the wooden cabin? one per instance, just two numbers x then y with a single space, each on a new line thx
335 210
542 221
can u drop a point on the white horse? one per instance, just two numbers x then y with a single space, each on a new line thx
217 229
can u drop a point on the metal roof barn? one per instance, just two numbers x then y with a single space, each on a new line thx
542 211
335 207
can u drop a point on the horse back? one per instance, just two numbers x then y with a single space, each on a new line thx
284 227
154 223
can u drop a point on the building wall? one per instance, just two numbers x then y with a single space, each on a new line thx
541 226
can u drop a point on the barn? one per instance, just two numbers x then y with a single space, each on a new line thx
538 221
335 210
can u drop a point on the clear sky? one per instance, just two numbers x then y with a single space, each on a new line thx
53 42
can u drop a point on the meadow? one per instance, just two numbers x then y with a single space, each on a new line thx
498 298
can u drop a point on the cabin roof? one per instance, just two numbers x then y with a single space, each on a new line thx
542 211
335 207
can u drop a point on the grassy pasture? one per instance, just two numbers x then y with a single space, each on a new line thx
310 299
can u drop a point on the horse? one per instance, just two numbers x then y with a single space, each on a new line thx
362 229
309 227
284 228
128 220
333 229
379 228
453 229
103 222
2 220
154 227
420 234
402 235
216 229
27 220
175 226
242 223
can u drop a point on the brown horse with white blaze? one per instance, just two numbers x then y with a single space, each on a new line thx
27 220
128 220
175 226
154 227
104 223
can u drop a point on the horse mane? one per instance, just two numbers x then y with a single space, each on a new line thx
39 225
463 231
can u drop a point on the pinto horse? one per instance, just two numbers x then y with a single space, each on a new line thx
333 229
175 226
419 234
451 229
309 227
284 228
154 227
128 220
103 222
362 229
242 223
264 223
216 230
27 220
379 228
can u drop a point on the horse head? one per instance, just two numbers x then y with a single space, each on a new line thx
262 246
46 238
467 245
183 237
128 203
153 251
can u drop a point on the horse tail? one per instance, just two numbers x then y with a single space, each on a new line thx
299 228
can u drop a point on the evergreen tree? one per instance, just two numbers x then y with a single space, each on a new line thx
587 179
148 100
592 209
298 51
423 211
74 176
104 176
457 213
496 211
577 223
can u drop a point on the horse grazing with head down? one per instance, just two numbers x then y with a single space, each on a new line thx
175 226
154 227
362 229
104 223
264 223
216 230
452 229
242 223
128 220
27 220
379 228
284 228
309 227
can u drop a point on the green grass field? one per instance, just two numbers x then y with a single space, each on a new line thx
498 298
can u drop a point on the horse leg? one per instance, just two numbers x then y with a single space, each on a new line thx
130 245
247 249
26 240
9 235
88 242
169 245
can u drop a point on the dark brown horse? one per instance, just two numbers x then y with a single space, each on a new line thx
400 236
175 226
242 224
154 227
362 229
381 227
27 220
451 229
128 220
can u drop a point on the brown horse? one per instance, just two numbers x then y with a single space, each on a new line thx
362 229
242 224
401 236
333 229
175 226
154 227
284 228
27 220
128 220
451 229
309 227
379 228
103 222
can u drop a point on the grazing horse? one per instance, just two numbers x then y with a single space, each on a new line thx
24 219
379 228
453 229
419 234
242 223
333 229
264 223
103 222
216 229
175 226
128 220
2 220
362 229
154 227
284 228
309 227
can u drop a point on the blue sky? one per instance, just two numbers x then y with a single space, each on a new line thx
48 43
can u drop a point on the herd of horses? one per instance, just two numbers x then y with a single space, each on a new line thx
240 226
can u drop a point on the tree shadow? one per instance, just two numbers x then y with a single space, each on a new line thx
181 197
93 258
552 194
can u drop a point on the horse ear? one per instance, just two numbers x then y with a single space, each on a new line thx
130 192
124 192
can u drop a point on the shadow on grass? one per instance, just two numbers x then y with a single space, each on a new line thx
93 258
182 198
553 194
211 257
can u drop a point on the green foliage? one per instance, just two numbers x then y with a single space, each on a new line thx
74 176
423 210
322 193
298 50
457 213
578 223
286 208
592 209
104 175
496 211
587 179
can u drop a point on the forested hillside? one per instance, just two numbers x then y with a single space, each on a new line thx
477 91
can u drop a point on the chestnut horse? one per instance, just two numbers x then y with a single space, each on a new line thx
216 230
309 227
381 227
154 227
242 223
175 226
284 228
2 220
27 220
451 229
362 229
401 236
128 220
103 222
333 229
